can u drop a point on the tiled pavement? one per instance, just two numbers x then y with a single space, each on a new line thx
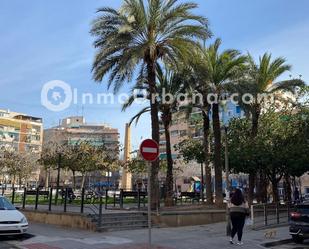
195 237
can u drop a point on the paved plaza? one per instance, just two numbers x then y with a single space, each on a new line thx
194 237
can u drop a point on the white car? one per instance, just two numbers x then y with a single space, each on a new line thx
12 222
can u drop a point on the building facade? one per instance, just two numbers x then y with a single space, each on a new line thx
185 126
73 130
22 132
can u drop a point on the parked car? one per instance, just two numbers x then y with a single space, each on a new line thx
12 222
299 222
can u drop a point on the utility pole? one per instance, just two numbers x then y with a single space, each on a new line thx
228 185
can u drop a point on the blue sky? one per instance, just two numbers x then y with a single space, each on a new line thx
47 40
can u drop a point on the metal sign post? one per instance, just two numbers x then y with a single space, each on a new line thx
149 204
149 150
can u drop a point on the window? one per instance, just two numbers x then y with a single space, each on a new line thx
174 133
183 133
186 180
238 109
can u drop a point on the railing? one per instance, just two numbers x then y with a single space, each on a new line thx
270 214
88 201
84 201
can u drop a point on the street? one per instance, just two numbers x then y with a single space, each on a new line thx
292 246
212 236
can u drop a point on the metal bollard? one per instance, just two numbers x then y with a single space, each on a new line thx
114 199
65 200
24 198
82 201
277 213
265 215
13 196
100 211
121 198
36 198
106 198
50 199
139 199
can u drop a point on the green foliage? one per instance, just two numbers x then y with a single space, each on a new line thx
81 157
143 32
16 164
280 147
191 150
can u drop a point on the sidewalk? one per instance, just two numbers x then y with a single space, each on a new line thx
195 237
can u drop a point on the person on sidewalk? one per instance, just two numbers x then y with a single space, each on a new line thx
239 209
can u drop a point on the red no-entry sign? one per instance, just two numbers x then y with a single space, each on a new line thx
149 150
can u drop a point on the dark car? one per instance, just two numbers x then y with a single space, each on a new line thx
299 222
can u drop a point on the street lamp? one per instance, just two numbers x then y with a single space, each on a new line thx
228 185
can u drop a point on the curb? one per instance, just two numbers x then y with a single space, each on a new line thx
276 243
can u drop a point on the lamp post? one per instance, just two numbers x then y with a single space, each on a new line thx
228 185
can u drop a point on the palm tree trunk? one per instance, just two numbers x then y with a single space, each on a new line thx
151 71
217 150
166 118
206 126
255 121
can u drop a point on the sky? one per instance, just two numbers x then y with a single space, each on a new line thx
41 41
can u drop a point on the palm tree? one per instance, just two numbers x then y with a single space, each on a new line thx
170 84
138 36
218 69
196 83
261 79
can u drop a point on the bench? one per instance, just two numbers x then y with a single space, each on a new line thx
193 196
41 193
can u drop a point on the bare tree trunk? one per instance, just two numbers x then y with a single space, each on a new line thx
275 190
217 160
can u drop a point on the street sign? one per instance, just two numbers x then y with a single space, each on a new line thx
149 150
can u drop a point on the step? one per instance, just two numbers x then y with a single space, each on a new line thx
120 228
111 219
125 223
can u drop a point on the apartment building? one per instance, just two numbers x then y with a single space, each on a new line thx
20 131
75 129
24 134
186 126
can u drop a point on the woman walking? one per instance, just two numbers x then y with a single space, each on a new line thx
239 209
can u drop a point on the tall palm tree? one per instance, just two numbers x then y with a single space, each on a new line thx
138 36
169 83
261 79
197 83
219 68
